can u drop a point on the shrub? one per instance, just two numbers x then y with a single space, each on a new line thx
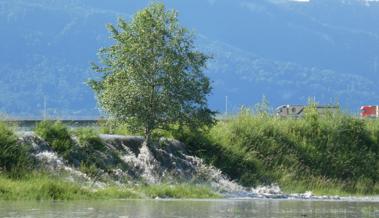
57 135
89 138
14 156
90 169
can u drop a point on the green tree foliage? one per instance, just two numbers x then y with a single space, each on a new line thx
152 75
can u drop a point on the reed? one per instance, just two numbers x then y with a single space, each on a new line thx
338 148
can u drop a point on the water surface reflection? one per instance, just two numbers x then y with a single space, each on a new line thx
191 208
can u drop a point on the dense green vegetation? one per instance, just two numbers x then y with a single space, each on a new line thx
57 135
335 153
14 157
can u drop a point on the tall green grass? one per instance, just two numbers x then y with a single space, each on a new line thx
14 156
333 149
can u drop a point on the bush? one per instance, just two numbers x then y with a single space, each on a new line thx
14 157
89 138
90 169
57 135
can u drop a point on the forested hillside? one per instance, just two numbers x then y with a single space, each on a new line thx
285 50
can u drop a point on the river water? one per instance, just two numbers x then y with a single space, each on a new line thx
191 208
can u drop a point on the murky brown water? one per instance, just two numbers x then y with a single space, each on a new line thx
191 208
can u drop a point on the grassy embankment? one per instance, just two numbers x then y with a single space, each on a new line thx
330 154
333 154
21 180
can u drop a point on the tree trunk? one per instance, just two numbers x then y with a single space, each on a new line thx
148 139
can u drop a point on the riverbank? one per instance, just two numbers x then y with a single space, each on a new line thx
55 163
43 187
240 157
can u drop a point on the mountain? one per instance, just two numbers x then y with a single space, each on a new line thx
285 50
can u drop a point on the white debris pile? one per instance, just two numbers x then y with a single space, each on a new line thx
212 175
144 165
56 165
52 162
272 191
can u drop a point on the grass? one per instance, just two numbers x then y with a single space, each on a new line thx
14 156
327 154
328 187
318 186
39 186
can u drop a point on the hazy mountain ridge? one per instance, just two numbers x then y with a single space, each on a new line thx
327 34
281 82
286 51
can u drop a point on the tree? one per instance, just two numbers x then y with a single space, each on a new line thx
152 76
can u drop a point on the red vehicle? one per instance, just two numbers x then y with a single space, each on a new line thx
370 111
